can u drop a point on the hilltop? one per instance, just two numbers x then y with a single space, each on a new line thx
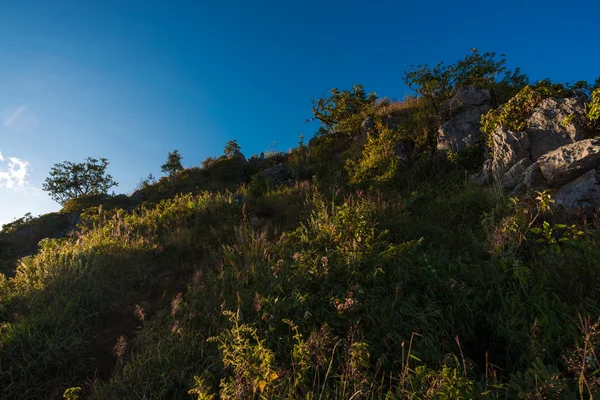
442 246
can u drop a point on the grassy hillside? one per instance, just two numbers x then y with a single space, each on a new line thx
368 275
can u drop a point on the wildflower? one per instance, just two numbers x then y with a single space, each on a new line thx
120 347
176 303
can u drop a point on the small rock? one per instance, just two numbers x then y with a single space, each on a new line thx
138 197
515 174
278 174
404 150
509 148
467 97
583 193
533 178
462 130
570 162
368 125
483 177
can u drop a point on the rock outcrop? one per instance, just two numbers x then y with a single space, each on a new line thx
466 108
569 162
583 193
509 148
483 177
555 123
550 153
467 97
461 131
279 174
368 125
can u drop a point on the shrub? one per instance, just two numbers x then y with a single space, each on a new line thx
342 111
378 163
594 106
436 84
70 180
512 115
173 165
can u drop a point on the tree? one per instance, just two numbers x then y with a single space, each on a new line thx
436 84
342 106
173 164
70 180
232 148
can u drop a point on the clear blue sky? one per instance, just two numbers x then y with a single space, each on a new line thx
133 80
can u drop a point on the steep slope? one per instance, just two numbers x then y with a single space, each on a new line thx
364 264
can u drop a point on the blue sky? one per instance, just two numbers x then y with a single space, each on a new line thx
133 80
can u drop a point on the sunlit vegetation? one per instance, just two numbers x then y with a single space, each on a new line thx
378 272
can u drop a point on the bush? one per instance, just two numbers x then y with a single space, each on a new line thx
342 111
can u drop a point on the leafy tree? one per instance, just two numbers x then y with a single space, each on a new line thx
173 164
232 148
70 180
146 182
342 107
436 84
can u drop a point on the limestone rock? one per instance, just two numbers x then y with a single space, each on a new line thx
534 179
278 174
509 148
138 197
554 123
515 175
461 131
583 193
483 177
368 125
570 162
467 97
404 150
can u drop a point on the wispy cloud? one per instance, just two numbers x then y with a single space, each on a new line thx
13 175
20 119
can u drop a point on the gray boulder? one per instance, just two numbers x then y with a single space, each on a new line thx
533 178
279 174
483 177
461 131
555 123
404 150
569 162
467 97
509 148
583 193
515 175
368 125
137 197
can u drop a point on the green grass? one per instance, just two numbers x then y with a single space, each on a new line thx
369 281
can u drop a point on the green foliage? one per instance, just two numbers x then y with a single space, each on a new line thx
173 165
70 180
108 202
342 111
72 393
147 182
378 163
375 279
17 224
513 115
249 360
594 106
232 148
436 84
